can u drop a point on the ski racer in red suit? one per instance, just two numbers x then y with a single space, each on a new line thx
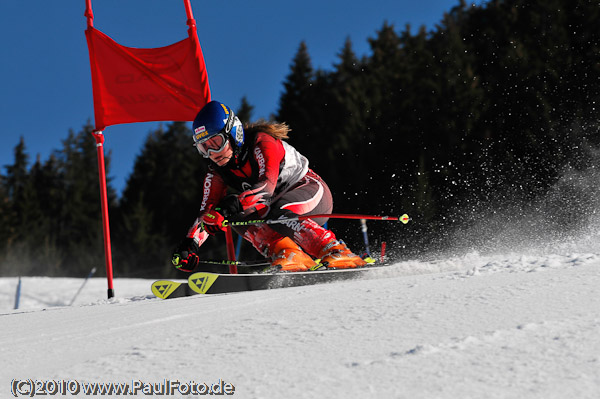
274 182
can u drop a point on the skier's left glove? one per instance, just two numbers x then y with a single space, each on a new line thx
213 222
185 256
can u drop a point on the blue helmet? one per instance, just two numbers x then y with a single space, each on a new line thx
217 118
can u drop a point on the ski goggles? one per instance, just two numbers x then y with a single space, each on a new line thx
212 144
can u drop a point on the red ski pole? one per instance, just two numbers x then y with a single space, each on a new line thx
404 219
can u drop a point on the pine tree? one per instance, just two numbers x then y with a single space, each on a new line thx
349 152
244 112
388 125
296 89
24 216
29 236
45 206
16 184
453 146
297 105
4 219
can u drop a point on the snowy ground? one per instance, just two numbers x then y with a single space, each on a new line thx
496 326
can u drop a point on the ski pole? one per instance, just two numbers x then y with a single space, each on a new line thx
404 219
250 263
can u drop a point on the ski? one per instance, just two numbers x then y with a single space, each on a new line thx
213 283
216 283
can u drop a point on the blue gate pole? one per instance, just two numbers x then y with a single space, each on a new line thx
363 224
90 274
18 294
238 247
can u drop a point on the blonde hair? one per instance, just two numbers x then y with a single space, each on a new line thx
275 129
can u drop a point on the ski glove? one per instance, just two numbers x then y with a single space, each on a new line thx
212 221
185 256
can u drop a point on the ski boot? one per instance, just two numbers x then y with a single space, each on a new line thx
289 257
336 255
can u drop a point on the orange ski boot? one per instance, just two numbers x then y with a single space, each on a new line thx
289 257
336 255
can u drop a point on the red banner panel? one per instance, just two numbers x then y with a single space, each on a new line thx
141 85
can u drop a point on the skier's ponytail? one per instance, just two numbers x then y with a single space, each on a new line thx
275 129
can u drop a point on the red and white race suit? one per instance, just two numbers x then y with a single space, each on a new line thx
274 182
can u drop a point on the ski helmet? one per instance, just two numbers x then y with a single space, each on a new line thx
216 118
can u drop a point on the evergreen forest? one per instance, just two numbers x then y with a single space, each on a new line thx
491 109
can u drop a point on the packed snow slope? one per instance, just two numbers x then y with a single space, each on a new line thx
515 325
512 310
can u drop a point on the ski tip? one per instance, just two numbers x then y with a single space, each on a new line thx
164 288
405 218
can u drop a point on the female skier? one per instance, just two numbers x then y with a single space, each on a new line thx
274 182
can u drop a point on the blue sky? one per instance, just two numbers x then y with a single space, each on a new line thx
248 47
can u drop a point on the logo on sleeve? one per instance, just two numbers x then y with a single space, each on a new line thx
261 161
207 185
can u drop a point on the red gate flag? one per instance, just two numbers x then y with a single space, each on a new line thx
141 85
